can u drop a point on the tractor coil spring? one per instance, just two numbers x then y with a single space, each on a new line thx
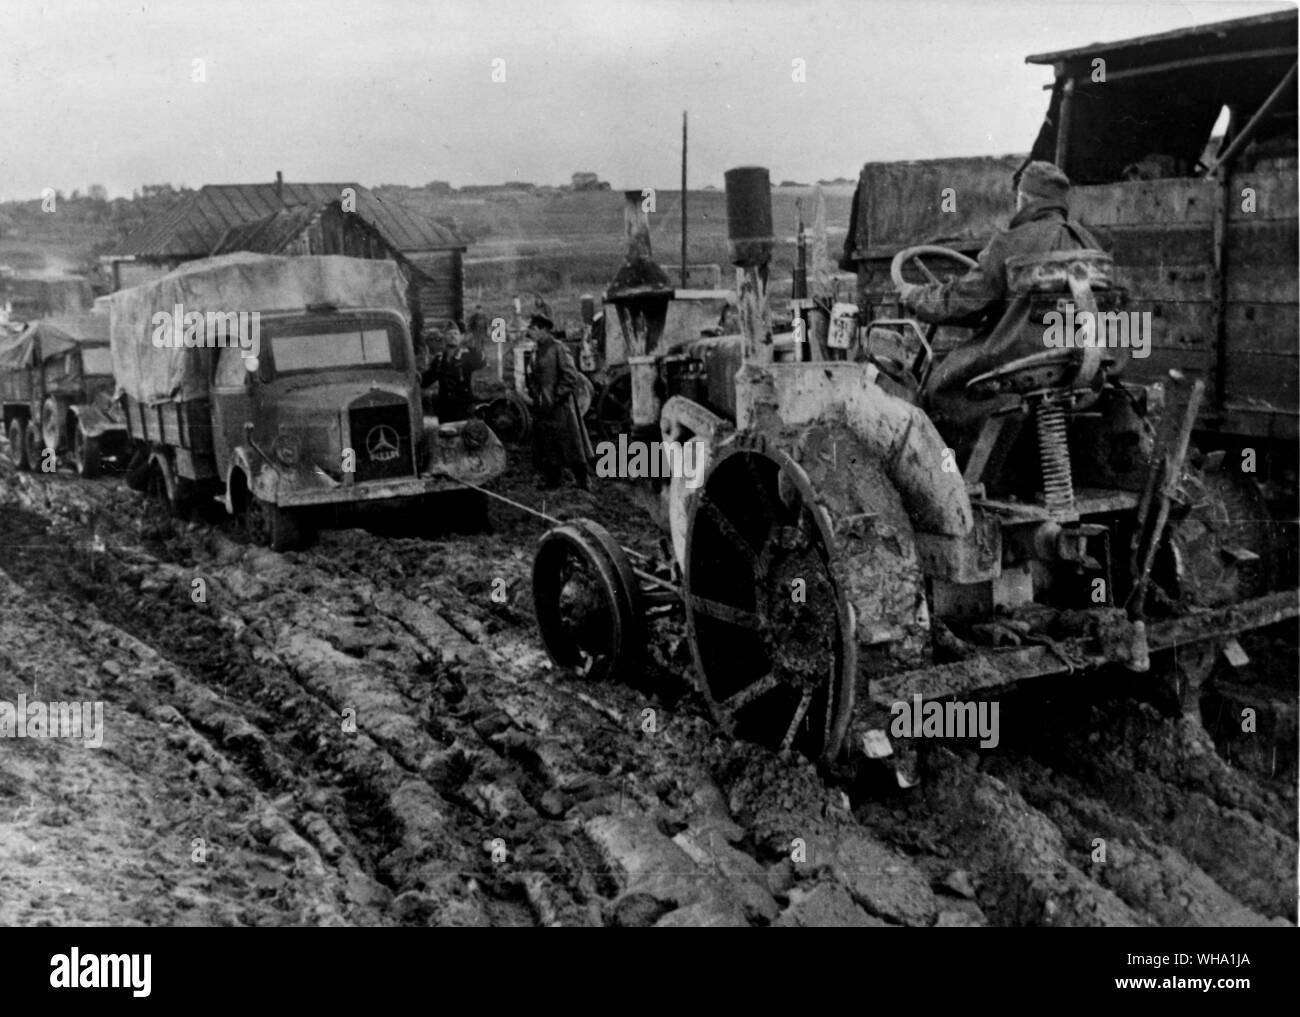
1054 455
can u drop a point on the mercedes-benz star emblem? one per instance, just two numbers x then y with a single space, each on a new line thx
381 444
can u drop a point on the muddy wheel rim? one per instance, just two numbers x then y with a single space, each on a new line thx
586 599
775 659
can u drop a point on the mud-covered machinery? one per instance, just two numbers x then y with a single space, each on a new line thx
834 553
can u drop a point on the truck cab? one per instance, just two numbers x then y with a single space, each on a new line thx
314 406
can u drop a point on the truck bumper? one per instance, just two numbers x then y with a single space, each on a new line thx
309 486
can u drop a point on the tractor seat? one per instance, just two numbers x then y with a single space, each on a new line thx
1064 282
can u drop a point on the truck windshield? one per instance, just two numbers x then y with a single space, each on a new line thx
324 350
96 360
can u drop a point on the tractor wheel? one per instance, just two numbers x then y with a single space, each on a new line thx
86 453
35 445
588 602
790 572
18 445
1224 549
614 408
509 418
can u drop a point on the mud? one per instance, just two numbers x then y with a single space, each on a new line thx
363 734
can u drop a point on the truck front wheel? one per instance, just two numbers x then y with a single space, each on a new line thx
86 453
35 446
280 529
18 444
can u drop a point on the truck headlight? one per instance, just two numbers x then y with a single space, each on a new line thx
474 434
287 448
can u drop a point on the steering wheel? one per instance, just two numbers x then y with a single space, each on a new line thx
914 254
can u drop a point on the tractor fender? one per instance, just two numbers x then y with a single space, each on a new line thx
684 420
902 437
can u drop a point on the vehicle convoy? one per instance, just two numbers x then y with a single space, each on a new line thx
833 558
56 386
285 387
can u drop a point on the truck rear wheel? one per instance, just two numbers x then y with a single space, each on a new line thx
86 453
18 444
170 491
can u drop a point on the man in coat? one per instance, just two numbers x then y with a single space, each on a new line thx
453 369
981 299
559 438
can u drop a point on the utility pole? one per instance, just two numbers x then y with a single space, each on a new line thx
685 278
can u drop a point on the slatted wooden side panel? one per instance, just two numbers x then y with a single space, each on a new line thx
441 288
1161 234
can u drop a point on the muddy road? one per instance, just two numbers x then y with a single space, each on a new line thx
363 734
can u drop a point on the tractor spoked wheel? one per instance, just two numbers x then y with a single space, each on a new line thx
588 602
614 408
509 418
770 628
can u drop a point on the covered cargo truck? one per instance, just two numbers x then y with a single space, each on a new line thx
56 389
283 386
1182 151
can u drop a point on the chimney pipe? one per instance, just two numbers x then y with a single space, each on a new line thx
279 185
636 227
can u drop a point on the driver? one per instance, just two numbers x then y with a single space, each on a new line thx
980 300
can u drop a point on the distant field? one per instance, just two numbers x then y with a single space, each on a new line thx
561 245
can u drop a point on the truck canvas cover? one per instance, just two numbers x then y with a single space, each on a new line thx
233 284
50 337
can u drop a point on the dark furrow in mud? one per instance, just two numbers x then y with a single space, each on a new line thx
481 787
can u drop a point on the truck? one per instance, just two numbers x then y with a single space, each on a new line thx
56 388
1181 148
287 389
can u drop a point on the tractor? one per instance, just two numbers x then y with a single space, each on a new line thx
837 556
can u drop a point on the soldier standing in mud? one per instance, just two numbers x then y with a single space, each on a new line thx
453 369
981 299
559 438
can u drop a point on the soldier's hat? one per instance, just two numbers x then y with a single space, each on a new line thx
541 321
1042 180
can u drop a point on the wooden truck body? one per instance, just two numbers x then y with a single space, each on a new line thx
1203 228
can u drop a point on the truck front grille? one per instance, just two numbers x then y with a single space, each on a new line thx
381 438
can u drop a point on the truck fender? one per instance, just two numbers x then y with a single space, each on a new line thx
94 421
258 478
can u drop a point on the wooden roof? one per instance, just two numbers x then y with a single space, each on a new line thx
194 228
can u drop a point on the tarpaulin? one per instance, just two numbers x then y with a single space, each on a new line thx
239 283
49 337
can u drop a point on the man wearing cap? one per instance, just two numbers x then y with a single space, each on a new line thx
454 369
559 438
980 299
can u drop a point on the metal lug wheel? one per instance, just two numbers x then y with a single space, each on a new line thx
588 602
770 628
509 418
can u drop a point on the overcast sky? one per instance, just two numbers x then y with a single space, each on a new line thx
402 91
